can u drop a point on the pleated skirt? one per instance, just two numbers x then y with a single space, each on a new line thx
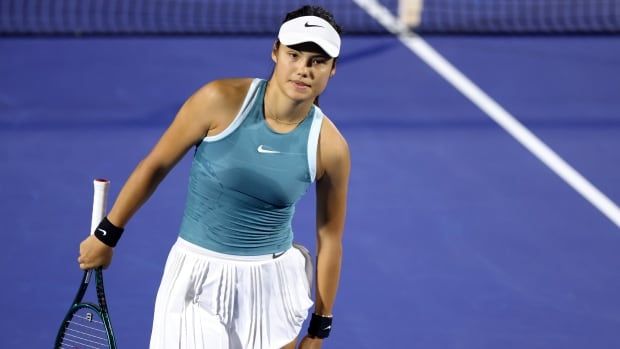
212 300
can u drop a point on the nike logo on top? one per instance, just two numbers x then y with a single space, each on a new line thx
308 25
103 231
261 149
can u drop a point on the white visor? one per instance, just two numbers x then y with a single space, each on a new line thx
311 29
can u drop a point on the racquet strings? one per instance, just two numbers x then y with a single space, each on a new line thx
85 329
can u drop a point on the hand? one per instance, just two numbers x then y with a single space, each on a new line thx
310 343
94 253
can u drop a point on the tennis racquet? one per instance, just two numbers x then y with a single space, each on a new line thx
87 325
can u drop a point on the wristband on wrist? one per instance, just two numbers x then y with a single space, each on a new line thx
320 326
108 233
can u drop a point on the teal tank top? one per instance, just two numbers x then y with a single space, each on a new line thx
245 181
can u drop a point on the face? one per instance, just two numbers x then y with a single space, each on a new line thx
302 71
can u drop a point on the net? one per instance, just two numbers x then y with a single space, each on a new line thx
157 17
521 16
166 16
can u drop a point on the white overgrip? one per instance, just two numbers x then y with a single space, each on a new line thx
100 201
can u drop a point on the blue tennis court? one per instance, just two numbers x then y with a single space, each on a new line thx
457 236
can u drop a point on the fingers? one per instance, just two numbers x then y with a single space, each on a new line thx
94 254
86 264
93 260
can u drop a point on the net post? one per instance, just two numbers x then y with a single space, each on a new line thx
410 12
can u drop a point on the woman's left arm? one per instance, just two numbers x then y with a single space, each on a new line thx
331 204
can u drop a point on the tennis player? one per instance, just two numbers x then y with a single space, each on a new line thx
234 279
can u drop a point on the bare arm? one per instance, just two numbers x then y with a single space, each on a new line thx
188 127
191 124
331 191
331 201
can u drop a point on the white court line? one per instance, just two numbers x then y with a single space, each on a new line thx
495 111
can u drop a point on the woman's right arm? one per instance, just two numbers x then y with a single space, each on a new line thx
190 125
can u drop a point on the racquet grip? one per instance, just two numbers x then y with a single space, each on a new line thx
100 202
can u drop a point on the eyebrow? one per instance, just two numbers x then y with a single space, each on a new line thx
310 48
312 53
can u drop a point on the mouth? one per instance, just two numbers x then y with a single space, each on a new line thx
300 84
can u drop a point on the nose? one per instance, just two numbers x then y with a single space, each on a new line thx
304 67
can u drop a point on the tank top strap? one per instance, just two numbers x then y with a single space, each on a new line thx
251 98
313 140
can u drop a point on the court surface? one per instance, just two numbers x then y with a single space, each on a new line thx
457 236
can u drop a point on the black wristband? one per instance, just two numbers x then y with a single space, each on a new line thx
108 233
320 326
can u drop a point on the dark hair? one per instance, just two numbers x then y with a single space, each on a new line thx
317 11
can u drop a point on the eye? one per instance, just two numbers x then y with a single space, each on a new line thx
318 61
293 54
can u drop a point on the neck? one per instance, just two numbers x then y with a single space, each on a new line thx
282 109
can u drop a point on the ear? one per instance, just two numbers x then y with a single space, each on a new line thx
333 72
274 53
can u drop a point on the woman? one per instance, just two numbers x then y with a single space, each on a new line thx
234 279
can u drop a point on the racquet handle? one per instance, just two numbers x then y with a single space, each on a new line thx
100 202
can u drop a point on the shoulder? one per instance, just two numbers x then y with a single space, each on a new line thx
334 153
222 93
217 102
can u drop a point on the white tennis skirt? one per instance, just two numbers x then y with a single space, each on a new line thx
212 300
